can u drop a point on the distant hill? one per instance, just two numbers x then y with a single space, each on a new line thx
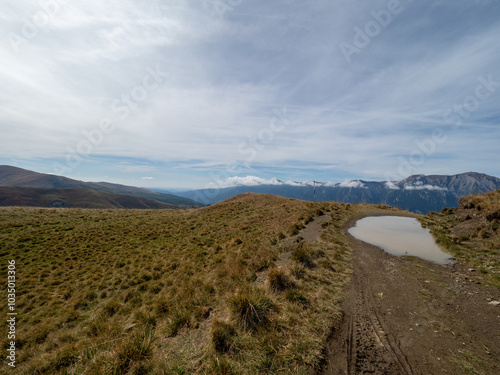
418 193
69 198
46 185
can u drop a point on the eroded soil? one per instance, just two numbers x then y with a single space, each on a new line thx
403 315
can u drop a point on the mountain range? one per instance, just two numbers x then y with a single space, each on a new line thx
417 193
21 187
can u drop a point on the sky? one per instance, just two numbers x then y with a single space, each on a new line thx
190 94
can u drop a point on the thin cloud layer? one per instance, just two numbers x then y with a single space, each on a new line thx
255 181
193 90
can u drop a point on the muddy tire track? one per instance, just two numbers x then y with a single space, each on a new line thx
406 316
369 348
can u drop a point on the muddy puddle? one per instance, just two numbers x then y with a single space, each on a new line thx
399 236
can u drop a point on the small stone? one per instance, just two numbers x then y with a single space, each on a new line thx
471 270
494 303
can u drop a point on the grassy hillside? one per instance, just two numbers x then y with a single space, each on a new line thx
81 198
18 177
215 290
471 232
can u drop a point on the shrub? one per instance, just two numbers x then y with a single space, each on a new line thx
278 280
251 310
222 334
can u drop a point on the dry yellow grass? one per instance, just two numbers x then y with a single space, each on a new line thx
150 291
471 233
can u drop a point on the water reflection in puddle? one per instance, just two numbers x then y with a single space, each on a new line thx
399 236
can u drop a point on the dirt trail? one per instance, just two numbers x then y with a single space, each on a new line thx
404 315
310 234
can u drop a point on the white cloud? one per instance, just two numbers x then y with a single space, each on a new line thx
248 181
391 185
254 181
352 184
420 186
229 73
147 178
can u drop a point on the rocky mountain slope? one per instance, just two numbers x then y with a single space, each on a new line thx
418 193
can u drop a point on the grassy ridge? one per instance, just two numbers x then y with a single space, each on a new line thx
471 233
82 198
174 292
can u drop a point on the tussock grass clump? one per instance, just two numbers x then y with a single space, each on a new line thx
278 280
298 271
294 229
220 366
55 363
179 318
123 354
135 348
296 296
251 309
66 357
303 255
222 335
111 307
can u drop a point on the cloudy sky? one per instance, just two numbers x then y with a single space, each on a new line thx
170 93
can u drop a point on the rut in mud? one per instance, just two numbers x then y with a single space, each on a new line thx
403 315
